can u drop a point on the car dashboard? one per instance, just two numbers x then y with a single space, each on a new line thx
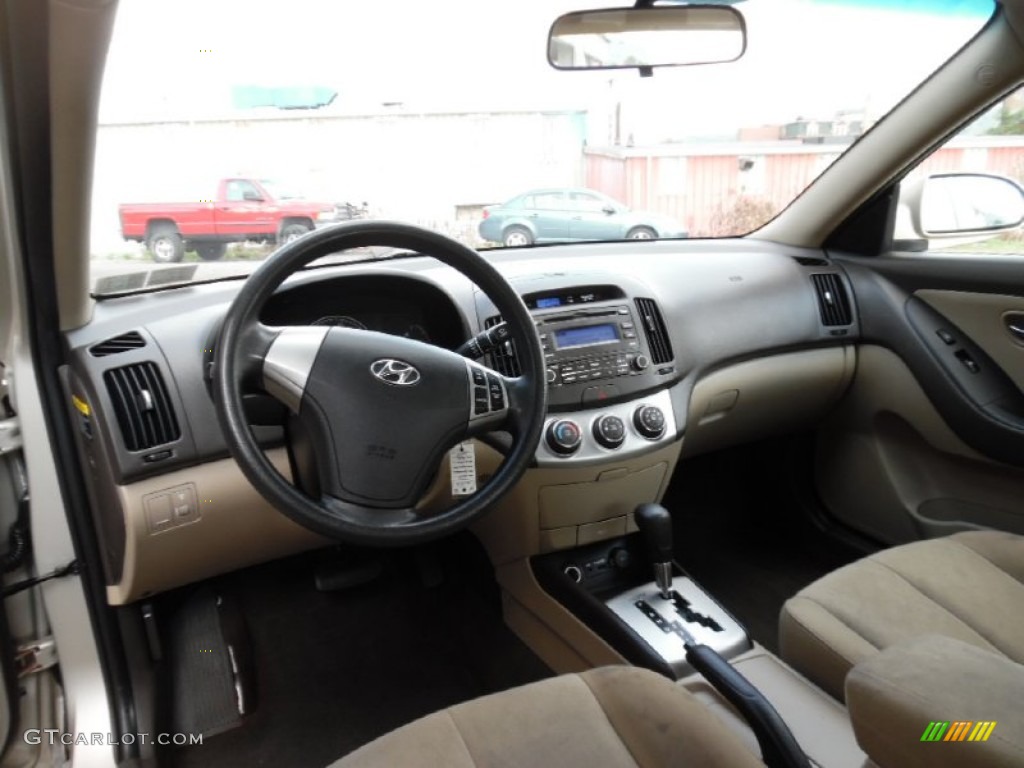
654 351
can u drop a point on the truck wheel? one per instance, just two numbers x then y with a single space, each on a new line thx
165 245
291 232
211 251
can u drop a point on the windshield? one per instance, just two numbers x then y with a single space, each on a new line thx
279 191
448 115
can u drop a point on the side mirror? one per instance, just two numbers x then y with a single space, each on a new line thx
647 36
252 197
952 205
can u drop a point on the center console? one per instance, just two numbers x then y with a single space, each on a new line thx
609 362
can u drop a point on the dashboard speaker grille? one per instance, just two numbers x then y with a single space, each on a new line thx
833 303
118 344
655 330
142 405
503 357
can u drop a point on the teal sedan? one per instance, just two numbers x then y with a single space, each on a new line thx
562 215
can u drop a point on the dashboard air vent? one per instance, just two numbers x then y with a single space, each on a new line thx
833 303
143 406
118 344
655 330
504 355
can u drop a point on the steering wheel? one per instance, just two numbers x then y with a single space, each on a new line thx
381 411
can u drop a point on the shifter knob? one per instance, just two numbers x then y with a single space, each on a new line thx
655 523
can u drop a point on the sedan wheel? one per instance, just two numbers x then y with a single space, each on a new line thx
641 233
516 237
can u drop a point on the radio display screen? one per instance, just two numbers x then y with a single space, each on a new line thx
585 335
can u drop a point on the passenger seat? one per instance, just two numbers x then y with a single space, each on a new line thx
968 586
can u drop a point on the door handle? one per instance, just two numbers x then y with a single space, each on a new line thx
1015 325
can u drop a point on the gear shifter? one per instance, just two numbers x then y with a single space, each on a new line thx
655 524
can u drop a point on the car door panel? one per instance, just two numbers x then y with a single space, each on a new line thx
983 317
924 444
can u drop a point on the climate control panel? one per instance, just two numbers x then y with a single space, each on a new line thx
620 430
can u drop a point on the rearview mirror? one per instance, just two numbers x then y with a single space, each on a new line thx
646 37
955 204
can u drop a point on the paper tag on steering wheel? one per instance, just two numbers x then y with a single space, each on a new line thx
462 459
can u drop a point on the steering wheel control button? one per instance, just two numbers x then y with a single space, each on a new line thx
649 421
481 402
478 378
496 391
564 437
610 431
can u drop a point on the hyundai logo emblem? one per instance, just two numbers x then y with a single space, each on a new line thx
395 372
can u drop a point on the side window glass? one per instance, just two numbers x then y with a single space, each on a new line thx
549 201
967 197
235 191
581 201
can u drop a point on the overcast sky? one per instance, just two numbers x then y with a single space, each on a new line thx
180 58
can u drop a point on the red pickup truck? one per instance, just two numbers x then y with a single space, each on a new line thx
244 209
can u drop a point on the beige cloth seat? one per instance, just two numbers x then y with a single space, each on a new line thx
969 586
613 716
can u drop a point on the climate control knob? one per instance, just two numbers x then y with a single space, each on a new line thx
649 421
609 431
552 375
641 362
564 436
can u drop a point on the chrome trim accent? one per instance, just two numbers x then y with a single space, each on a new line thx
591 452
395 373
732 640
663 578
288 362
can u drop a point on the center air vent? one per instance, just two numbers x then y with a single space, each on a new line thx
655 330
833 303
143 406
503 356
118 344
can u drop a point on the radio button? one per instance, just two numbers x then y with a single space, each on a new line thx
640 362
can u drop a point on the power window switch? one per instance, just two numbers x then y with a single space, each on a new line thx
969 362
946 336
